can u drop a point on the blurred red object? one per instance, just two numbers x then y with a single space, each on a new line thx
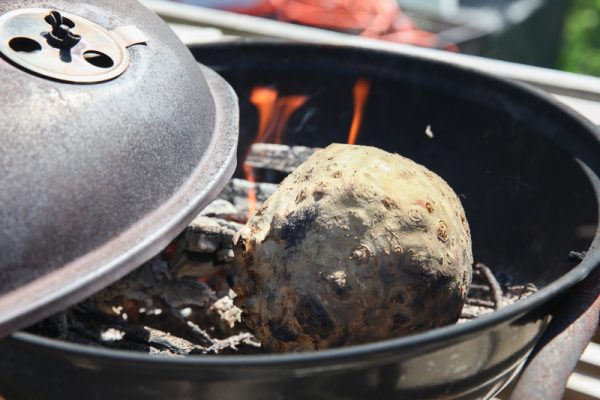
381 19
258 8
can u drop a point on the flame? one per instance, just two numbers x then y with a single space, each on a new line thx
274 113
285 108
264 100
249 175
361 90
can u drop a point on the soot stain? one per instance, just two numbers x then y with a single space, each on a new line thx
399 320
296 227
313 317
282 332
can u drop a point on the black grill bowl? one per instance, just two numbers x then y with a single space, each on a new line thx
526 171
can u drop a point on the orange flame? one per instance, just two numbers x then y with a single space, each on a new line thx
361 90
249 175
273 115
285 108
264 100
273 112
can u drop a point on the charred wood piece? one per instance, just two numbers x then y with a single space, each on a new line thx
220 208
277 157
237 190
209 234
153 282
232 342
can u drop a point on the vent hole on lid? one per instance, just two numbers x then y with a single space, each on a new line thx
98 59
24 45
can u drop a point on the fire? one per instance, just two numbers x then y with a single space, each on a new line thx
274 113
249 175
362 87
264 99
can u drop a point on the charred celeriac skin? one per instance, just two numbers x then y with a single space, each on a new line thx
357 245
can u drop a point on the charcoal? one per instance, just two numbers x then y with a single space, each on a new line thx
277 157
154 280
191 265
237 191
220 208
209 234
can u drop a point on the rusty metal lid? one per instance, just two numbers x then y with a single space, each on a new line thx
113 138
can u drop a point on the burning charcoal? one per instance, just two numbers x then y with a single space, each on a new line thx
205 251
150 275
209 234
191 266
356 245
188 292
166 333
237 192
278 157
220 209
148 284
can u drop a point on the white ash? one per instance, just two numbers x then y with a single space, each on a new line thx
232 342
186 312
112 334
227 310
154 281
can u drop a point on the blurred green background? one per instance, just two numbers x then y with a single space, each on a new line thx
581 41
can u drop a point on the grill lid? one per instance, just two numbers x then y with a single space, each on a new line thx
113 138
